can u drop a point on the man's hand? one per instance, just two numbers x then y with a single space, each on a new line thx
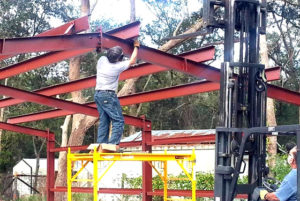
136 43
262 194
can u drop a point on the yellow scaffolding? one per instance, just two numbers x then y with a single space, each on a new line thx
95 157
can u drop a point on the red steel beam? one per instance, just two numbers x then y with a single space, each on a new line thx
125 32
160 94
164 59
24 130
197 55
39 61
183 140
62 104
84 147
49 43
186 193
188 89
92 40
83 41
72 27
284 95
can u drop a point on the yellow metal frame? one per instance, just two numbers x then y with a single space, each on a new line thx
95 157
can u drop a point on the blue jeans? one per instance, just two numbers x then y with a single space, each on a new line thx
110 110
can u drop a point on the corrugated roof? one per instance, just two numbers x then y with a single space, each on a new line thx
163 134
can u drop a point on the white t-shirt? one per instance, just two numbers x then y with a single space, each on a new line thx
108 73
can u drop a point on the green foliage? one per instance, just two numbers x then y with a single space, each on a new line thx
282 168
20 19
205 181
82 197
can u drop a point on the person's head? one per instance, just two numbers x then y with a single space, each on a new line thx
115 54
289 146
292 157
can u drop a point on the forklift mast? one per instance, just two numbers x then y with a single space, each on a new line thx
242 93
242 127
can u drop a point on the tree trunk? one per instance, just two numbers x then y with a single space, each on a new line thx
130 84
80 122
271 118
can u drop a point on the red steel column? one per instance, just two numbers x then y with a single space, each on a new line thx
50 166
147 169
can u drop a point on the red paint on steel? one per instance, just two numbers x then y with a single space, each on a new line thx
187 193
164 59
282 94
182 90
146 168
49 101
128 31
50 167
24 130
199 193
49 43
62 104
206 54
101 190
182 140
78 25
84 147
273 74
171 92
76 85
39 61
124 32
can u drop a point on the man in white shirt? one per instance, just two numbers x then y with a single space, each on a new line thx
109 69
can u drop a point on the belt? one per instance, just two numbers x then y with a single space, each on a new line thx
107 91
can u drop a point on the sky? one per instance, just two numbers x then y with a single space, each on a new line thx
119 10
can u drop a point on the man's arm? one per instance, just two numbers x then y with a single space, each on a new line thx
133 57
271 196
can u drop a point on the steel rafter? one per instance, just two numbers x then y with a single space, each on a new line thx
49 43
284 95
188 89
125 32
72 27
164 59
182 140
182 90
200 55
24 130
92 40
62 104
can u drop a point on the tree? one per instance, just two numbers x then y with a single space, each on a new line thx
271 118
283 50
19 19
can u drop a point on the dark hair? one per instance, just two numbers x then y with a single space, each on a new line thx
289 146
114 54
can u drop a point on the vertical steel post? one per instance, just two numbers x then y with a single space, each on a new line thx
50 166
147 169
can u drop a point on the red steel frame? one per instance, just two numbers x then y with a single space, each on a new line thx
66 44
